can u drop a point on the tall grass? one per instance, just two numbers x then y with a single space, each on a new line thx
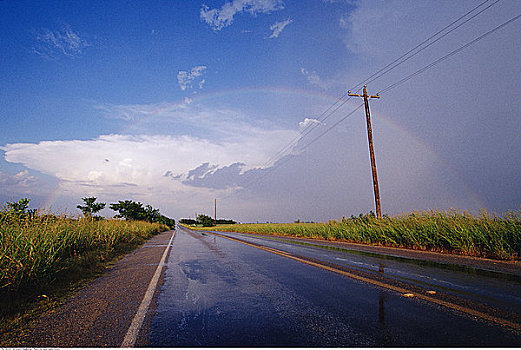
37 251
442 231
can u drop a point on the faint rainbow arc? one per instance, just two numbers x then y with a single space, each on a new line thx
329 99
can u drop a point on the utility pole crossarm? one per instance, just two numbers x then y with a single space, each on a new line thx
366 98
364 94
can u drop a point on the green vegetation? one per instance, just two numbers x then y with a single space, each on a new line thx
44 257
442 231
225 222
189 222
41 252
19 209
206 221
90 207
130 210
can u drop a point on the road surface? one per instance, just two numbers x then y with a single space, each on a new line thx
191 288
223 292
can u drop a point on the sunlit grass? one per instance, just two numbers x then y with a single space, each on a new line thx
454 232
35 253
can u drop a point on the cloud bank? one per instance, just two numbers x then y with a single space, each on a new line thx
154 168
140 160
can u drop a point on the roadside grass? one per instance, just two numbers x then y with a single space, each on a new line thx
486 235
43 258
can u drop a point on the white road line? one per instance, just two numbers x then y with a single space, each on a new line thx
137 322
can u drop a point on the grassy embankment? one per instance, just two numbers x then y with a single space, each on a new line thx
453 232
43 257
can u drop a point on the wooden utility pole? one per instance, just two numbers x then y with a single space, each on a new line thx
371 149
215 213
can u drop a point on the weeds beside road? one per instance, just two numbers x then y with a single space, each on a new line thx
453 232
39 253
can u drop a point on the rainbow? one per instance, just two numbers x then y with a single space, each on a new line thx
253 93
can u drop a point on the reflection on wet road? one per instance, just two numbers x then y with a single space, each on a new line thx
218 292
499 290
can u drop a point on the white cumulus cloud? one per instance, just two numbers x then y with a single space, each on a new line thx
278 27
223 17
307 122
139 162
185 78
148 168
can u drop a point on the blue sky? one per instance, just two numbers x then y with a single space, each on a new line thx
175 103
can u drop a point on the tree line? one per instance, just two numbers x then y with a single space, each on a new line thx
127 209
206 221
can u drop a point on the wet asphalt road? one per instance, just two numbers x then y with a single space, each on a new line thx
218 292
487 285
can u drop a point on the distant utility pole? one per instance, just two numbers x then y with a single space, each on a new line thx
215 213
371 149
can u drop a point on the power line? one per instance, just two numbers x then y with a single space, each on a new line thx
282 162
430 65
301 135
450 54
379 74
403 58
331 127
386 69
306 130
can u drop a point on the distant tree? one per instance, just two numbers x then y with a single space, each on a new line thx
225 222
188 221
90 207
20 209
151 214
166 221
205 220
129 210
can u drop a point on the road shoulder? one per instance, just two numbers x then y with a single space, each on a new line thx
100 314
